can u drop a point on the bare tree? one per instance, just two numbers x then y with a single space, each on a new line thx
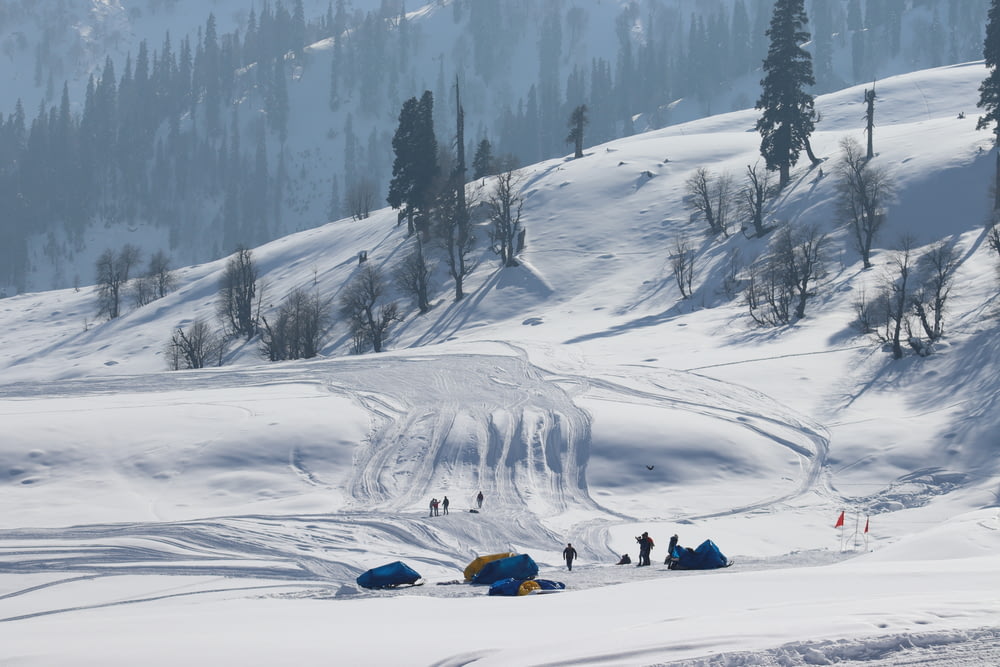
453 232
155 283
113 270
710 196
238 304
863 192
800 254
682 265
504 204
369 316
143 291
754 197
159 272
888 314
731 283
783 281
195 348
413 275
870 120
993 236
937 270
299 328
767 296
360 198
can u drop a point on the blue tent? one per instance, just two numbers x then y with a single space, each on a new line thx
388 576
513 567
706 557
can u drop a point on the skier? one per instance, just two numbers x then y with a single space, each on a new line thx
569 553
444 504
479 500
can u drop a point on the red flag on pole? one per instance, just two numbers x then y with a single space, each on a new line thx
840 521
866 524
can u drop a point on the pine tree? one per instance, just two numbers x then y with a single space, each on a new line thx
989 91
577 121
788 117
482 162
415 165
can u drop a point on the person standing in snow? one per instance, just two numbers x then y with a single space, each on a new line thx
444 504
569 553
434 502
645 546
479 500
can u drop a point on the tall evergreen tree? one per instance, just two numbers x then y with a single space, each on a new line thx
577 121
989 90
789 116
415 166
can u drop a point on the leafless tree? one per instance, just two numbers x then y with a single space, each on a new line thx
783 281
159 272
504 203
299 327
754 197
863 192
731 284
993 236
886 316
143 291
195 348
682 265
711 197
801 253
369 316
360 198
239 302
453 233
113 270
413 275
937 271
767 296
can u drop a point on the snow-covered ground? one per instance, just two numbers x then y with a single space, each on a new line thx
221 516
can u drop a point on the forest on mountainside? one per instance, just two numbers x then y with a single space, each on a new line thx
219 138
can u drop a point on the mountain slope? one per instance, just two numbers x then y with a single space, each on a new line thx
578 392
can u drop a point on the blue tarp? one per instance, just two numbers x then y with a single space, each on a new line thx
387 576
706 557
511 586
513 567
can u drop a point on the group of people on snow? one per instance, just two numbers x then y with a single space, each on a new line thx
442 504
439 507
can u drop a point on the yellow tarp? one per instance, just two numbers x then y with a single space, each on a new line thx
528 587
475 566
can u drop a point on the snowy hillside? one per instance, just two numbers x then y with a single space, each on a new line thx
221 516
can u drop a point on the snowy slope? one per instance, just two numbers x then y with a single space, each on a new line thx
221 516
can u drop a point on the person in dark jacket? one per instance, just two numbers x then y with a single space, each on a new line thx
569 553
645 546
669 561
624 560
444 504
479 500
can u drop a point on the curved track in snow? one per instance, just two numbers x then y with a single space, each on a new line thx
516 432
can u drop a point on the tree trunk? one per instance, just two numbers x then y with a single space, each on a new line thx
809 151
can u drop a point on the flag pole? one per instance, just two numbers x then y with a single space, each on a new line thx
857 528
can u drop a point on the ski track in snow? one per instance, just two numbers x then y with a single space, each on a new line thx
517 434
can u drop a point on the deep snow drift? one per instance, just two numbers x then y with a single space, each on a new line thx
221 516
